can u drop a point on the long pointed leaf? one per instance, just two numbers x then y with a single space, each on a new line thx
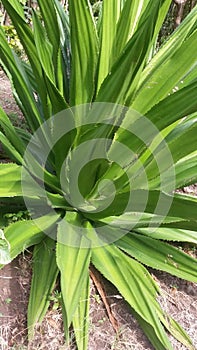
10 150
170 234
27 39
110 15
165 257
10 132
121 79
73 262
151 88
45 53
150 201
44 269
24 93
84 50
80 320
134 284
50 19
125 29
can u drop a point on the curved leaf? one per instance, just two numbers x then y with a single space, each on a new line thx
155 83
159 255
24 234
170 234
10 184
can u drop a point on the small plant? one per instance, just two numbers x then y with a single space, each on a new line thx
111 135
21 215
13 39
97 298
102 320
8 300
55 298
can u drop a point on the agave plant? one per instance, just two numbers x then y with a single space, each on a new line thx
111 134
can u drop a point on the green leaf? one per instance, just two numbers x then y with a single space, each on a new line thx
84 45
80 320
178 332
4 249
144 201
170 234
181 206
45 273
133 128
57 100
87 158
125 29
73 261
44 47
22 86
182 137
120 81
172 327
18 8
10 150
165 257
149 331
27 39
24 234
24 32
110 16
51 23
45 53
134 283
10 184
11 133
179 143
164 8
180 140
49 15
64 67
33 169
185 170
16 182
189 78
174 107
69 61
129 220
155 83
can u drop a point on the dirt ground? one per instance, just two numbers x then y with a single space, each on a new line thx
179 298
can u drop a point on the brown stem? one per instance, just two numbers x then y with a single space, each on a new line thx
96 278
180 4
5 20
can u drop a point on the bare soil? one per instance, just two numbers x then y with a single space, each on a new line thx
178 297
